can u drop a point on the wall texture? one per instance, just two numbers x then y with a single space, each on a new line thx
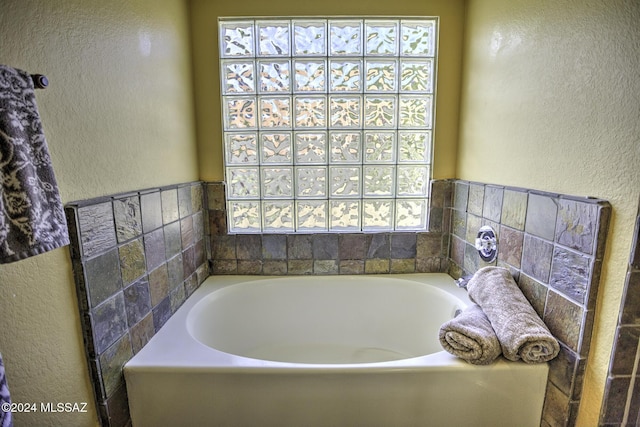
118 116
550 101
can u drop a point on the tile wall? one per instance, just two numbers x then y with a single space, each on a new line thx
136 257
331 253
554 246
621 405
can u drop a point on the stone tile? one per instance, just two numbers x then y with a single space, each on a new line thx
249 266
97 228
492 208
556 406
198 226
428 245
217 223
225 266
151 207
137 300
476 199
132 261
249 246
274 267
170 211
401 266
577 225
215 195
109 321
197 197
378 245
376 266
176 298
514 208
354 266
223 247
460 196
471 261
189 261
457 250
111 363
536 258
142 332
300 266
175 270
616 392
128 219
274 246
352 246
635 249
624 350
117 408
158 284
429 265
403 245
184 201
299 246
631 300
564 319
326 266
473 226
534 291
103 276
186 232
191 284
510 246
161 313
541 216
172 239
325 246
459 223
436 220
154 248
562 370
570 274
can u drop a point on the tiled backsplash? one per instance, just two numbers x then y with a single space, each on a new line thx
136 257
554 246
621 405
331 253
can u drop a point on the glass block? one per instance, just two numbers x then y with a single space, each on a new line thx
275 112
344 215
378 181
414 147
379 147
345 111
243 183
275 76
241 148
310 38
418 38
346 147
411 214
244 217
380 75
311 182
238 77
311 215
277 183
273 38
236 39
412 181
345 75
344 181
311 147
278 216
377 215
415 111
345 37
380 111
311 112
240 113
310 76
381 37
416 76
276 148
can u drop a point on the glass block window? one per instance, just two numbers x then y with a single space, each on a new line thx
328 123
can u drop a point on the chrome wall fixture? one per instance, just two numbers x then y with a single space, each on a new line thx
487 244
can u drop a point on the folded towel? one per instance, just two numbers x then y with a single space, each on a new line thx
522 334
5 416
32 218
471 337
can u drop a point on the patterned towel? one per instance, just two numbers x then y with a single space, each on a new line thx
32 218
5 416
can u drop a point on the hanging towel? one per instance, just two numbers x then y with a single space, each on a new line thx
470 337
32 218
522 334
5 398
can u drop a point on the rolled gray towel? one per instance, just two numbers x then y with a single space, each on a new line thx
470 336
521 332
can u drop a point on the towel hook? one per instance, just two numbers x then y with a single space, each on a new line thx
487 243
40 81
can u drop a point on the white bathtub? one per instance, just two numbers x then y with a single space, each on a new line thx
323 351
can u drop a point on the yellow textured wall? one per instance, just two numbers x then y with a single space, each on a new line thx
550 101
204 15
118 116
